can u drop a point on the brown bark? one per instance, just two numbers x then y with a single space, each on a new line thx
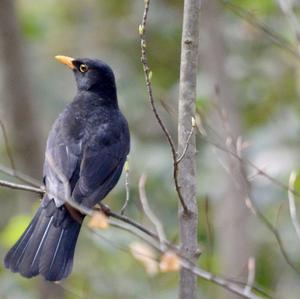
187 167
231 213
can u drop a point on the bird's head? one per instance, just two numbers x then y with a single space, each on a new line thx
91 75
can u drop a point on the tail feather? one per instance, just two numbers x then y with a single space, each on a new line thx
60 251
29 264
15 255
47 246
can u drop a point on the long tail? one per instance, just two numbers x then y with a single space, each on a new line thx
47 246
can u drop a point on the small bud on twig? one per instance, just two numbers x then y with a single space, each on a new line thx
141 29
193 122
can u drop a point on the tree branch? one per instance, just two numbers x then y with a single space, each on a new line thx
134 227
188 219
149 213
250 203
16 186
292 204
126 169
7 146
148 75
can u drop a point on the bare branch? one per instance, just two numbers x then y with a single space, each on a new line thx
149 213
250 203
7 146
136 228
233 287
148 75
188 221
287 9
251 276
20 176
292 204
15 186
126 168
277 39
179 159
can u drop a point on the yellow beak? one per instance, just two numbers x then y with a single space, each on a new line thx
68 61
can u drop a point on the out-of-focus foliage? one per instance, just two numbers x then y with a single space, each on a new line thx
266 80
13 230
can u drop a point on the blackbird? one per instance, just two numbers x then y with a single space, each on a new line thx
85 154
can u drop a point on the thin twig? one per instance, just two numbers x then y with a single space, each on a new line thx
7 146
247 161
233 287
148 75
253 207
251 276
186 263
129 221
292 204
209 232
278 40
16 186
149 213
19 175
250 203
12 171
126 168
287 9
179 159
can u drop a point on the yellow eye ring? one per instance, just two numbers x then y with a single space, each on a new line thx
83 68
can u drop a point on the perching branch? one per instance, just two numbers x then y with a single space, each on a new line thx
16 186
134 228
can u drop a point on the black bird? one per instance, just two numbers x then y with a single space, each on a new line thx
86 151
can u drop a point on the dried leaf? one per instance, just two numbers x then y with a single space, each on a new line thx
169 262
146 255
98 220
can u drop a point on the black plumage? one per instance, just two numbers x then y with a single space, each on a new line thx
87 147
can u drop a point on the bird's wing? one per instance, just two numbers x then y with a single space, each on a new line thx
61 169
100 169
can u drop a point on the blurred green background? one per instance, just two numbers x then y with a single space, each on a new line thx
248 49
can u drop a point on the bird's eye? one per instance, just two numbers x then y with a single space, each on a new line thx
83 68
